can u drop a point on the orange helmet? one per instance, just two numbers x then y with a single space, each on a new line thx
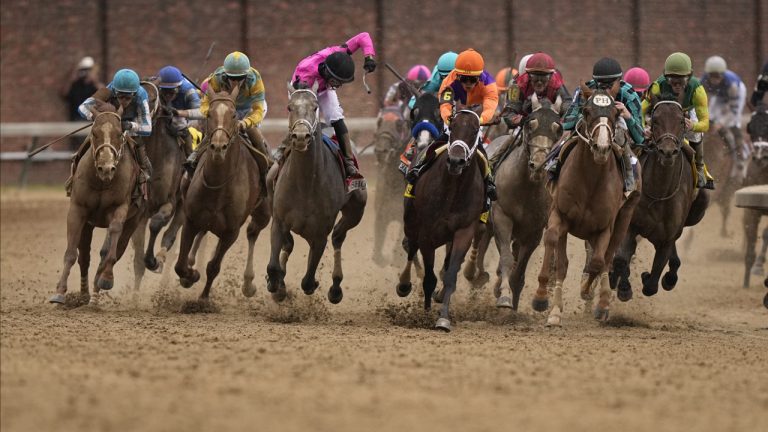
504 77
469 62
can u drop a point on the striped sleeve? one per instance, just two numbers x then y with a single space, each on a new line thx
143 124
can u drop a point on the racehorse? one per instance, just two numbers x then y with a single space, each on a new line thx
588 202
223 192
722 161
448 202
101 197
390 140
520 214
307 196
757 174
669 201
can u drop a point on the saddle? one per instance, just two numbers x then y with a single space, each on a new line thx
485 166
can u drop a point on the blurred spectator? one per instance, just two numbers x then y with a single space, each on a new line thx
81 85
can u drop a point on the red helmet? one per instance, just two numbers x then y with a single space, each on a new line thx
638 78
540 62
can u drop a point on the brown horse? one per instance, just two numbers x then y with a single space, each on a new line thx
757 174
520 214
390 140
307 197
222 194
101 197
721 162
446 209
669 202
589 203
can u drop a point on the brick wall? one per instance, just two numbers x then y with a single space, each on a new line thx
41 40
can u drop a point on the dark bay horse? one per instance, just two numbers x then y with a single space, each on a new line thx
520 214
224 191
446 209
589 203
669 202
307 196
757 174
101 197
390 140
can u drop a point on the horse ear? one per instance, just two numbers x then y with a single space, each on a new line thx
586 91
535 104
315 86
534 124
235 91
614 91
558 104
290 88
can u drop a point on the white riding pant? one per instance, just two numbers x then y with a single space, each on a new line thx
720 110
330 109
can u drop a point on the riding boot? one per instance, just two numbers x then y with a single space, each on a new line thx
629 175
73 167
703 182
191 163
346 150
490 185
144 163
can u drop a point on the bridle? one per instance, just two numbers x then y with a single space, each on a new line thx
117 153
312 126
468 151
229 133
677 139
530 147
605 100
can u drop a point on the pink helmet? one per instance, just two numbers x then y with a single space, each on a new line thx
638 78
418 73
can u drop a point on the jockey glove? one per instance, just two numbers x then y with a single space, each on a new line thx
126 125
370 64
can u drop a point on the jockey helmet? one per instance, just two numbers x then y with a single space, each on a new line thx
678 64
715 64
170 77
638 78
236 64
446 62
126 81
340 66
540 63
606 70
86 63
418 73
469 63
504 77
523 62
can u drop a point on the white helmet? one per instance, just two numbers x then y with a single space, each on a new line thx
86 63
715 64
523 61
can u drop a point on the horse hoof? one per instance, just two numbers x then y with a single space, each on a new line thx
403 289
504 302
645 276
310 288
601 314
279 296
540 305
757 271
554 321
649 291
248 289
443 324
57 299
669 281
151 264
105 284
188 282
437 296
470 273
481 279
335 295
765 301
624 294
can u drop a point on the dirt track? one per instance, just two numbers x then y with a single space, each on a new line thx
695 358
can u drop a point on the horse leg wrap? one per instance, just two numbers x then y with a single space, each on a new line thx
146 165
629 175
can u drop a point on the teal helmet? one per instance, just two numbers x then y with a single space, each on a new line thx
126 81
236 64
446 62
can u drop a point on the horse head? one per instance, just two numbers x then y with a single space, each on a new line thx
667 128
222 118
107 140
758 133
391 134
542 129
465 137
426 120
598 122
303 116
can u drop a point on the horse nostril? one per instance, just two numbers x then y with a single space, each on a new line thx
294 137
531 165
112 169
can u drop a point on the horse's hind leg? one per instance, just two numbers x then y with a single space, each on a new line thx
561 269
503 234
76 220
309 282
751 221
259 220
158 221
84 258
462 239
669 280
757 267
351 214
169 236
214 265
482 249
404 286
187 276
137 239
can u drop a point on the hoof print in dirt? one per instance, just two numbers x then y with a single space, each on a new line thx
199 306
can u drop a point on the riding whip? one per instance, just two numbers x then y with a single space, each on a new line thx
205 63
45 146
367 88
193 83
408 85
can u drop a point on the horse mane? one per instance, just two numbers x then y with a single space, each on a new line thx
101 106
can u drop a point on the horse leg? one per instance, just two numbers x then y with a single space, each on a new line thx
757 268
214 265
517 277
169 236
259 220
751 221
286 251
462 239
187 275
502 232
84 258
275 271
76 220
556 227
561 269
381 222
470 269
106 278
660 259
725 209
588 253
619 276
669 280
482 249
597 267
404 286
430 279
158 221
351 214
138 250
309 282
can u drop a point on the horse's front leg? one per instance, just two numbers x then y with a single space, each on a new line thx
555 229
660 259
84 258
622 261
158 221
214 265
138 253
404 286
309 282
76 220
462 239
187 276
351 214
106 278
597 267
561 270
275 271
169 236
259 220
502 232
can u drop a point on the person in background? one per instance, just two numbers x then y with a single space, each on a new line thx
82 83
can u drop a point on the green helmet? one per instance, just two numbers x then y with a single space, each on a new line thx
446 62
126 80
236 64
678 64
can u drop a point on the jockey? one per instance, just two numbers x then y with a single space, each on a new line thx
124 91
468 84
398 93
677 81
540 77
761 86
444 66
330 68
639 79
250 105
182 97
605 73
727 94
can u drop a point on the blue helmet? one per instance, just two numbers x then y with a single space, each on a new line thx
170 77
126 81
446 62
